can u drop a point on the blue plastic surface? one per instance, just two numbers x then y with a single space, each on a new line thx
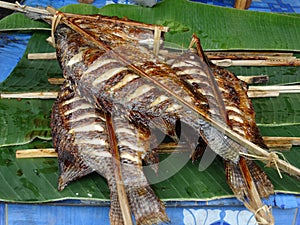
51 214
12 48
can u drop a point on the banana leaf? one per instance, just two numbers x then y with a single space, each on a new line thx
25 123
35 180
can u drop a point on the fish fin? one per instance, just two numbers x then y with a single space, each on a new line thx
236 181
70 171
115 213
261 180
249 184
145 205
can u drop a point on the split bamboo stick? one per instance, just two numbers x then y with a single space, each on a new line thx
275 62
278 143
43 56
253 92
34 95
259 79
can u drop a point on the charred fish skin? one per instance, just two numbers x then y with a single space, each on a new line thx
105 81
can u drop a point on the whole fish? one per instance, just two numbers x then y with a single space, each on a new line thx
248 182
81 139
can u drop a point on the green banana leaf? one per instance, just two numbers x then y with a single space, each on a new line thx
25 123
35 180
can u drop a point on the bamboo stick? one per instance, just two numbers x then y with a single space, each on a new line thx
248 55
278 143
272 91
259 79
34 95
122 196
36 153
34 13
253 92
44 56
56 81
278 62
281 143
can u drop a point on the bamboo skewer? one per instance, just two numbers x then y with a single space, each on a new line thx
276 143
26 9
44 56
221 61
272 90
31 95
274 62
122 196
248 55
36 153
253 92
259 79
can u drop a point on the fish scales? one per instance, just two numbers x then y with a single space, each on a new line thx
133 144
95 157
106 95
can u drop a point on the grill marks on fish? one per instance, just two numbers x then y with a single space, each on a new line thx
89 146
67 141
197 76
118 30
239 115
106 95
111 85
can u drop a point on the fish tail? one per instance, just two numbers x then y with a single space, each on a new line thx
115 213
145 205
249 184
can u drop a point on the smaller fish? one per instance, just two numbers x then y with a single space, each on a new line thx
81 139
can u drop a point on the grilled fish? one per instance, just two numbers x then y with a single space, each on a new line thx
81 140
236 109
115 73
104 80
